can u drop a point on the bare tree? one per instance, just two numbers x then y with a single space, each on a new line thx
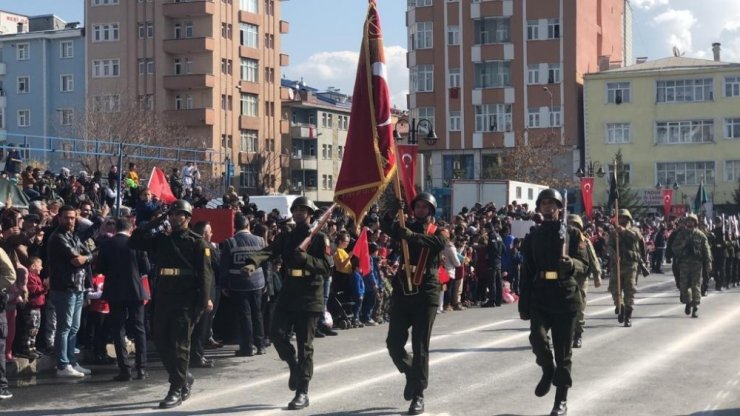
538 160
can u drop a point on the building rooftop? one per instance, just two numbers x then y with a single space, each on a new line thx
668 64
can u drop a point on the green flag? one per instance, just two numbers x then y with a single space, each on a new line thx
701 198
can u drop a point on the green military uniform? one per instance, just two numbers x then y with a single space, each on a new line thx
551 298
693 254
631 254
735 277
670 256
593 270
416 311
183 282
301 299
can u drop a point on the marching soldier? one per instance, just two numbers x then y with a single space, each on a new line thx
593 270
184 278
301 300
415 306
669 255
693 255
730 269
631 254
719 254
550 296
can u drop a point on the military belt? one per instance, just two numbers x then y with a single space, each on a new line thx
296 272
548 275
175 272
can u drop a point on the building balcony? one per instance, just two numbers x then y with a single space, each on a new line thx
284 59
284 27
303 131
194 117
284 127
188 9
306 163
189 82
188 45
250 123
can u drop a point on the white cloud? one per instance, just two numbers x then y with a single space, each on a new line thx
338 69
648 4
677 25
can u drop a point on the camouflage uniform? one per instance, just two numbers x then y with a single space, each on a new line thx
691 248
631 253
593 269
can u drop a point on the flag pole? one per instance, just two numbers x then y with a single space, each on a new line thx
620 304
408 286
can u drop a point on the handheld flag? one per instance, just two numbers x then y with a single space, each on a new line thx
369 161
613 188
159 186
362 252
701 198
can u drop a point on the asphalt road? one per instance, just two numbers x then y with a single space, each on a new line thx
481 364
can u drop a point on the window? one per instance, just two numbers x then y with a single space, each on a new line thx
22 51
65 117
248 141
149 29
107 103
247 177
732 128
269 41
249 105
492 30
248 5
188 29
453 35
556 117
493 74
146 66
684 132
66 49
248 35
732 86
533 117
330 152
533 29
553 73
323 119
2 118
178 103
533 74
422 78
141 30
146 102
618 133
427 113
454 77
340 152
183 66
684 90
105 2
24 85
553 28
24 118
624 175
249 70
270 75
732 170
686 173
493 117
66 83
107 32
618 92
455 120
420 3
183 103
330 121
423 35
104 68
270 7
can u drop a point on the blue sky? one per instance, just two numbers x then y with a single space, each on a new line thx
323 48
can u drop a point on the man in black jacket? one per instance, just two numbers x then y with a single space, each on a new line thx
494 251
124 291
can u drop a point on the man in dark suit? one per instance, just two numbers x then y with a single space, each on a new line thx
125 293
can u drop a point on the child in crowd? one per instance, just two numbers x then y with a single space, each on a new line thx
97 317
358 291
32 309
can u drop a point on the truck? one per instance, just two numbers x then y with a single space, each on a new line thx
264 203
465 193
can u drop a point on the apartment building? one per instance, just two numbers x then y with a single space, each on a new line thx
493 74
42 83
676 121
210 65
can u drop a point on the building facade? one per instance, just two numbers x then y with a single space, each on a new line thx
212 66
676 121
493 74
42 84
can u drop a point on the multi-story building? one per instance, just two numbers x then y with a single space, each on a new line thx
493 74
676 121
12 23
42 82
212 66
319 121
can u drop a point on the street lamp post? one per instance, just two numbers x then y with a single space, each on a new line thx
587 182
414 129
549 111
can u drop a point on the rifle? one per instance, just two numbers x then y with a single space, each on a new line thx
617 257
316 227
564 224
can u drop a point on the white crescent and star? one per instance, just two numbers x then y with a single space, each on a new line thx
666 199
587 188
405 161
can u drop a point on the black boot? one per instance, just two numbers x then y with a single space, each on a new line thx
560 408
293 379
620 314
417 405
188 388
628 317
301 398
123 375
173 399
687 309
577 340
543 387
409 389
695 311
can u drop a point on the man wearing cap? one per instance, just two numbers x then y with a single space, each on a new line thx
415 296
301 299
550 296
691 251
631 253
593 269
183 285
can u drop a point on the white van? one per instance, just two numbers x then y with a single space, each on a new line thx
269 202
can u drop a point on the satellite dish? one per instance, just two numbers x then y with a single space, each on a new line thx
677 52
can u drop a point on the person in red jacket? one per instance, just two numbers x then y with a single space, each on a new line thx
97 316
32 309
